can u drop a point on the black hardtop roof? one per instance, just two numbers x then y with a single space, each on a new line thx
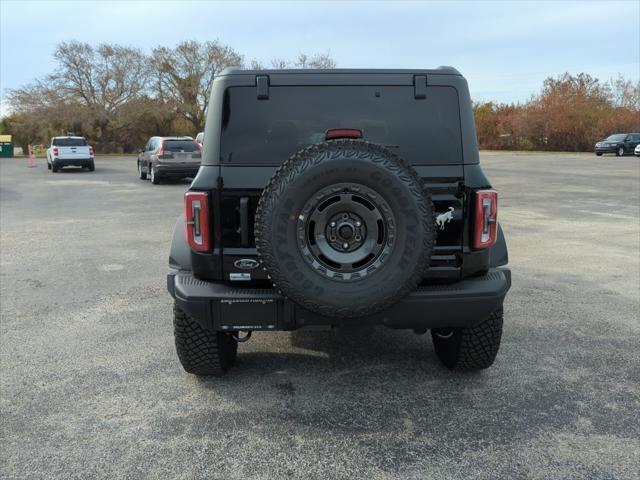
443 70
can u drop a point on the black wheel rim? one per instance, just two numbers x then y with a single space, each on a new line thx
346 231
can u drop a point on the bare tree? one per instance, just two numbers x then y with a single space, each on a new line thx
318 60
185 75
626 94
279 63
105 77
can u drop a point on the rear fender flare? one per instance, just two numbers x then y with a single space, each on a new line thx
180 254
498 254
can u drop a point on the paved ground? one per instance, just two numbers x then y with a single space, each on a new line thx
91 387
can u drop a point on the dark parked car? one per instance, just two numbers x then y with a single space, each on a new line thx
619 143
334 198
163 157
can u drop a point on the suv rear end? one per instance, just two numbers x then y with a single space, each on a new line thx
169 157
226 275
70 151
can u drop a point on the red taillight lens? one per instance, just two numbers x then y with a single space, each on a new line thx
343 133
486 219
161 148
91 151
196 220
55 151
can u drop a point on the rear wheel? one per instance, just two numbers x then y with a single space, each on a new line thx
54 169
48 165
620 152
141 174
155 179
200 351
92 167
469 349
599 154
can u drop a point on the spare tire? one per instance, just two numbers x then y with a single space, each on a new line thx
345 228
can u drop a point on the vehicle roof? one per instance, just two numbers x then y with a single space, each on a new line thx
185 137
442 70
68 136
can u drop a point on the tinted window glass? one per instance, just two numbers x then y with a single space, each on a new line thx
617 138
180 146
422 131
69 142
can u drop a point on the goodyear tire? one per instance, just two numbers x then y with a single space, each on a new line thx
470 349
345 228
202 352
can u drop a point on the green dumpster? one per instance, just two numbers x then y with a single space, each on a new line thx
6 146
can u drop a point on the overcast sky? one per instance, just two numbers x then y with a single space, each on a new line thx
505 49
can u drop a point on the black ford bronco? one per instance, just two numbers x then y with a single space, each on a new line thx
339 197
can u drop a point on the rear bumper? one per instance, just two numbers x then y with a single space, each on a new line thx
75 162
223 307
179 170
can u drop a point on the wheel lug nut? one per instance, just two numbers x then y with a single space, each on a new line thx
358 224
332 224
345 245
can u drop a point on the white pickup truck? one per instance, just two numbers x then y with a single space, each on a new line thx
66 151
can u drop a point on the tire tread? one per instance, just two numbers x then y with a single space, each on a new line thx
202 352
309 157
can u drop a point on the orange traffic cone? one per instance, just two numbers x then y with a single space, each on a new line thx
32 159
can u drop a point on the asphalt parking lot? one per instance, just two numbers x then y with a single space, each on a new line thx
91 386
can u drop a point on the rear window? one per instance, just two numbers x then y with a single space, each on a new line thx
69 142
180 146
422 131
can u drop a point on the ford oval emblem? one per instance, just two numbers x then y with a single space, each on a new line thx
246 264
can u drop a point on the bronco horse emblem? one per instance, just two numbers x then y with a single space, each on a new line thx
444 218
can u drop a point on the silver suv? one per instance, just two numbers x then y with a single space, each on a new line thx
163 157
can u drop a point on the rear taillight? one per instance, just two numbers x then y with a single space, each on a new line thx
90 151
55 151
161 148
486 218
196 224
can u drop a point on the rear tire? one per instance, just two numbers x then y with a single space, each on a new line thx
155 179
470 349
200 351
48 166
620 152
92 167
599 154
142 175
54 169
